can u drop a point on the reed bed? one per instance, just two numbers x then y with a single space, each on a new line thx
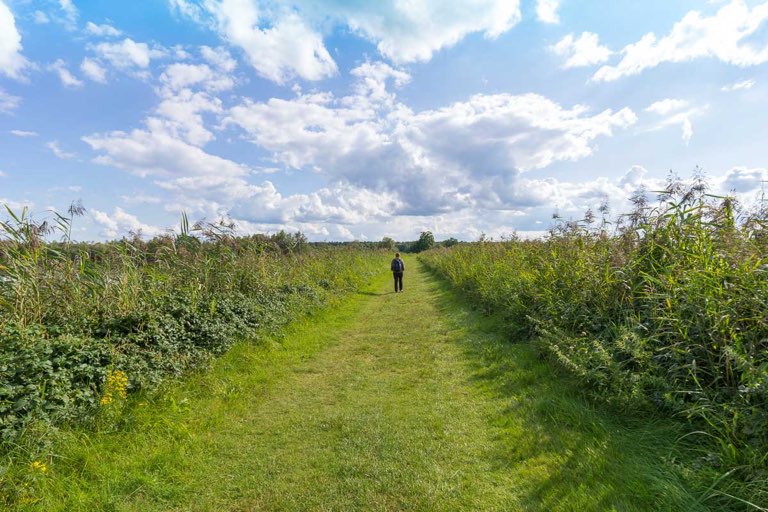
663 312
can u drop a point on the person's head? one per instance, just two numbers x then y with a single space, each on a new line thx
397 255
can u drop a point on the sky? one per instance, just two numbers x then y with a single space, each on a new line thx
358 120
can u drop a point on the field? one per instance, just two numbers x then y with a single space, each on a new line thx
607 367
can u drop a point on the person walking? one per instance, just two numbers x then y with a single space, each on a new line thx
398 267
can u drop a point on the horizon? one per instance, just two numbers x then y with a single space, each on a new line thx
349 121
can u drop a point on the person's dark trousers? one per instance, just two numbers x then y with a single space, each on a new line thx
398 281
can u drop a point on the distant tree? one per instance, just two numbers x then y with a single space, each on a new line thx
426 241
449 242
387 243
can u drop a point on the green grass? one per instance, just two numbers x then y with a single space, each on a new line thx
384 402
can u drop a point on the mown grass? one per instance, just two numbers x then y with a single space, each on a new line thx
385 402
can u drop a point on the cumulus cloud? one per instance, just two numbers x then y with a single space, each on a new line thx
582 51
743 180
157 151
379 159
66 77
94 70
127 54
286 48
461 155
180 75
546 11
219 58
8 102
724 36
104 30
12 63
739 86
120 222
282 40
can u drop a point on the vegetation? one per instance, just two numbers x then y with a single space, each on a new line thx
349 412
84 326
663 312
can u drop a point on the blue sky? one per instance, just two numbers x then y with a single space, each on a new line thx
359 120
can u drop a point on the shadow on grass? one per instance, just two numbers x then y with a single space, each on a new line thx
373 294
569 452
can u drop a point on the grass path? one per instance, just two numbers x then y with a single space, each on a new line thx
387 402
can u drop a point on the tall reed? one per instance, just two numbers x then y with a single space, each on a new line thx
664 311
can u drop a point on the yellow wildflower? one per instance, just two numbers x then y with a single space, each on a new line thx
115 387
37 465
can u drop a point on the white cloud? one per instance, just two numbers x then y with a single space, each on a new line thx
182 115
188 9
676 112
93 70
739 86
387 169
103 30
413 31
123 223
155 151
666 106
23 133
41 18
219 58
179 76
12 63
16 206
546 11
282 41
743 180
371 87
582 51
723 36
342 204
66 77
8 102
127 54
60 153
289 47
141 199
69 12
2 174
464 154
